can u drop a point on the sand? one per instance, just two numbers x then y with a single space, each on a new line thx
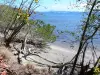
61 53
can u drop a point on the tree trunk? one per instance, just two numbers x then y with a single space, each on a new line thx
13 35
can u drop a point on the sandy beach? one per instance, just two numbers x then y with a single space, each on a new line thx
60 54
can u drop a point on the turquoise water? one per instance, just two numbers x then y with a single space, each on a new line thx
62 20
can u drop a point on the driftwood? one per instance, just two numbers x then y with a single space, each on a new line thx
38 44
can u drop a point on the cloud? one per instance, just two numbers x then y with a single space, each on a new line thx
64 7
72 7
83 5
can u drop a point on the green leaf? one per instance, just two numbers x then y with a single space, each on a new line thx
46 31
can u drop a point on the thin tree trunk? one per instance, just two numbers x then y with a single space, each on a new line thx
15 32
82 39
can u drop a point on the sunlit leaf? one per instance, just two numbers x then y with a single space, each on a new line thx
36 1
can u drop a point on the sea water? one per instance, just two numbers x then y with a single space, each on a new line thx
64 21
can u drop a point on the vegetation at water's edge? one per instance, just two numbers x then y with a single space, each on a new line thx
17 29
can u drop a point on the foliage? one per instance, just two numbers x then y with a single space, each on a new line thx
36 1
87 32
46 31
17 18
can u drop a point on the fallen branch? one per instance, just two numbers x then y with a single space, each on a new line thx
53 66
38 44
40 57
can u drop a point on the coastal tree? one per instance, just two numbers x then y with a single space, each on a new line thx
15 20
89 30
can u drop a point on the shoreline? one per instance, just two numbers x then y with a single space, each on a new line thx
59 54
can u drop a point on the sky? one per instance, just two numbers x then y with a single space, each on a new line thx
58 5
62 5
